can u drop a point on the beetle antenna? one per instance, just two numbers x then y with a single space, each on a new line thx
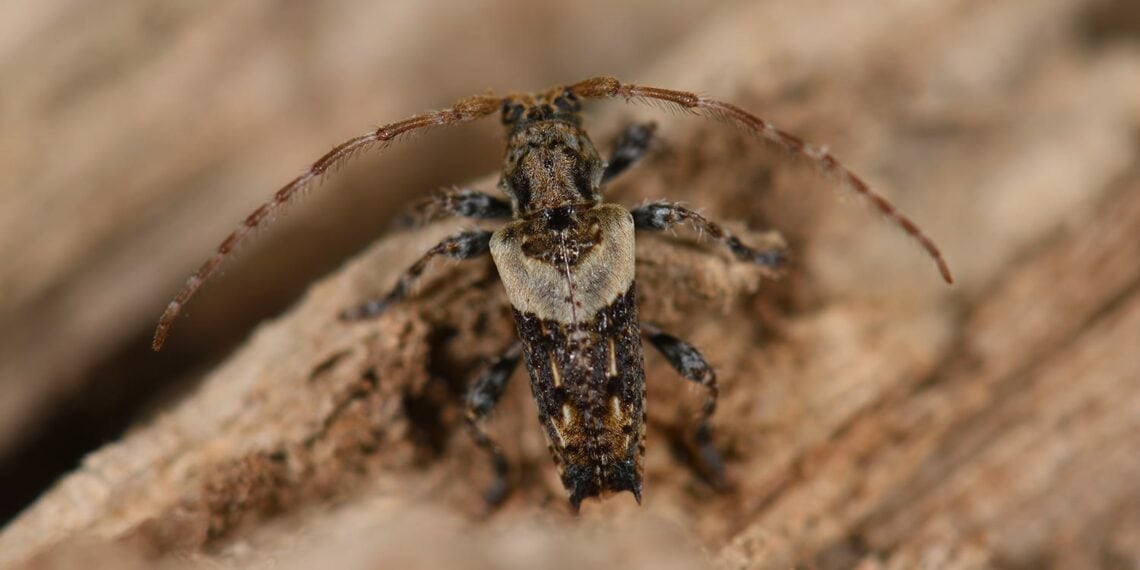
608 87
462 111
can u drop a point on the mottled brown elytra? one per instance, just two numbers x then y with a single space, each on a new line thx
566 259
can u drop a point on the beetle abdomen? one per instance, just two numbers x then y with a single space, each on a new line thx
589 383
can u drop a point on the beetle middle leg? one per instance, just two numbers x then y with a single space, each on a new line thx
660 216
463 245
689 363
481 399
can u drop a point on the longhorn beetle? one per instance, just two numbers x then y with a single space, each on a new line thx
566 259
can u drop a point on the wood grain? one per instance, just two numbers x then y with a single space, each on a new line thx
871 417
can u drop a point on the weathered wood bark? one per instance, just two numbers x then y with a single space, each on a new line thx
134 136
872 417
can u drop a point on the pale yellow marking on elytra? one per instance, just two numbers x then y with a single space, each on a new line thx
615 408
613 360
561 438
567 414
555 373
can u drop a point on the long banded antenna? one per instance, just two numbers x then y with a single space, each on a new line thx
462 111
608 87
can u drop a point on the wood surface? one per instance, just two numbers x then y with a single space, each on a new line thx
872 417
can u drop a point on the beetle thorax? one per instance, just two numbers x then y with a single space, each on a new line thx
549 164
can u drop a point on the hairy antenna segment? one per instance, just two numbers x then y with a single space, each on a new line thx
462 111
608 87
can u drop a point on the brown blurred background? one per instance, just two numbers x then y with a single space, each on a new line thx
134 135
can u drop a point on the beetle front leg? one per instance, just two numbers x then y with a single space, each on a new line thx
689 363
464 202
660 216
629 148
481 399
463 245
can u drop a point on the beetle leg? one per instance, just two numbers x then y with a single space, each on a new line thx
660 216
689 363
465 202
629 148
481 399
463 245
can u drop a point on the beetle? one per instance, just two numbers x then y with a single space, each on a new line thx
566 261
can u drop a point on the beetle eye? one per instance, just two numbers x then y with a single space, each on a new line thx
512 112
567 102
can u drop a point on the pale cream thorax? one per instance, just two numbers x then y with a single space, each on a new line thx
595 281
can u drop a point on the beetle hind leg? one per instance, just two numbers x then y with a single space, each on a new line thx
481 399
689 363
